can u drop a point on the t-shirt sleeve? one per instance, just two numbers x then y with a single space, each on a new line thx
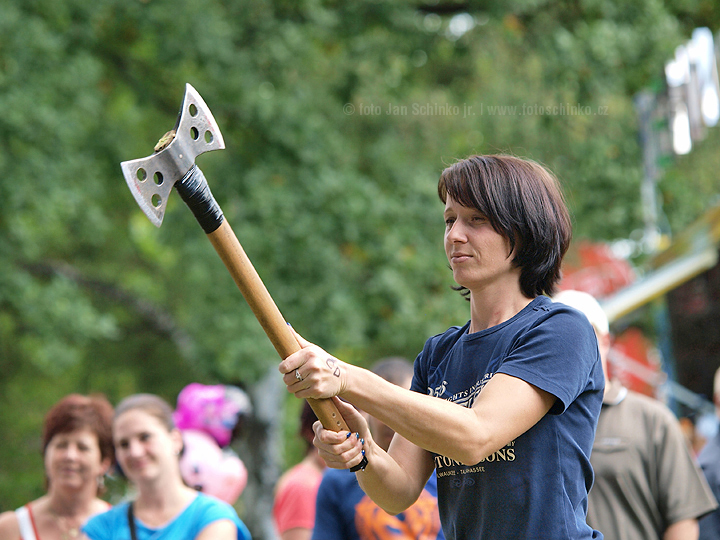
558 355
216 510
419 380
435 347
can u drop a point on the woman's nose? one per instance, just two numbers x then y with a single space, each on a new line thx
456 232
71 451
134 448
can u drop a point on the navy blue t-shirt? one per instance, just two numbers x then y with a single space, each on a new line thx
535 487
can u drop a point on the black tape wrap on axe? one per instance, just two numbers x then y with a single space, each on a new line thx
194 190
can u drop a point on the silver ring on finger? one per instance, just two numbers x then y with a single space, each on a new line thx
298 376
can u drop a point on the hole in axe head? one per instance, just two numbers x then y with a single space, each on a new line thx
156 200
193 109
141 174
158 177
194 133
208 136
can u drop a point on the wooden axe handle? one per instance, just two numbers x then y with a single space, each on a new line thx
257 296
195 192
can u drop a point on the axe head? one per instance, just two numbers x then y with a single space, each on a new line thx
151 179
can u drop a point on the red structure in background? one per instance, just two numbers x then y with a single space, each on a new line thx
635 361
594 269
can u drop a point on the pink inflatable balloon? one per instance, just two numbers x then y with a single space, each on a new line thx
214 409
208 468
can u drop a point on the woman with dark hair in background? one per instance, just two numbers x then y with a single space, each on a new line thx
148 447
77 451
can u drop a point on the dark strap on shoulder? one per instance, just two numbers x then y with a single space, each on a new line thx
131 522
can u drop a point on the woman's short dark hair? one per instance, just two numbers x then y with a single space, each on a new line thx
74 412
524 203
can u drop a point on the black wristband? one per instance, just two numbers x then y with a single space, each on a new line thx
360 466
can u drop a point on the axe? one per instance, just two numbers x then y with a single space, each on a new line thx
151 180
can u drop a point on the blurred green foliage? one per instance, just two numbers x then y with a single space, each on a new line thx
338 118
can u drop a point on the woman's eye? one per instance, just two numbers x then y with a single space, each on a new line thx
123 444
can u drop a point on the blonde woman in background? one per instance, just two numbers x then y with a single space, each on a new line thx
148 448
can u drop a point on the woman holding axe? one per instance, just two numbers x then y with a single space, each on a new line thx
503 408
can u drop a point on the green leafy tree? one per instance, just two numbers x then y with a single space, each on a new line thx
338 118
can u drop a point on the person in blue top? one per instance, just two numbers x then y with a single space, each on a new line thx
147 448
344 511
503 408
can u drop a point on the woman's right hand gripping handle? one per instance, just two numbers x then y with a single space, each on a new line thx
344 449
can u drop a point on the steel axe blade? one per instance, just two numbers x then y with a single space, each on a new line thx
151 179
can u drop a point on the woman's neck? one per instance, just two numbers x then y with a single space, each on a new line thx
64 513
76 503
157 504
489 309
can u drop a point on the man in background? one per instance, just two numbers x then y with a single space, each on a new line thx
709 460
647 484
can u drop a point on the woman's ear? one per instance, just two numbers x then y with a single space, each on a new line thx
604 343
105 465
177 440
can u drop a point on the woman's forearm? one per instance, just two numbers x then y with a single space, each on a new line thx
395 485
686 529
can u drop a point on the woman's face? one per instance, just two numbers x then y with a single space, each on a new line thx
73 460
479 256
144 447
